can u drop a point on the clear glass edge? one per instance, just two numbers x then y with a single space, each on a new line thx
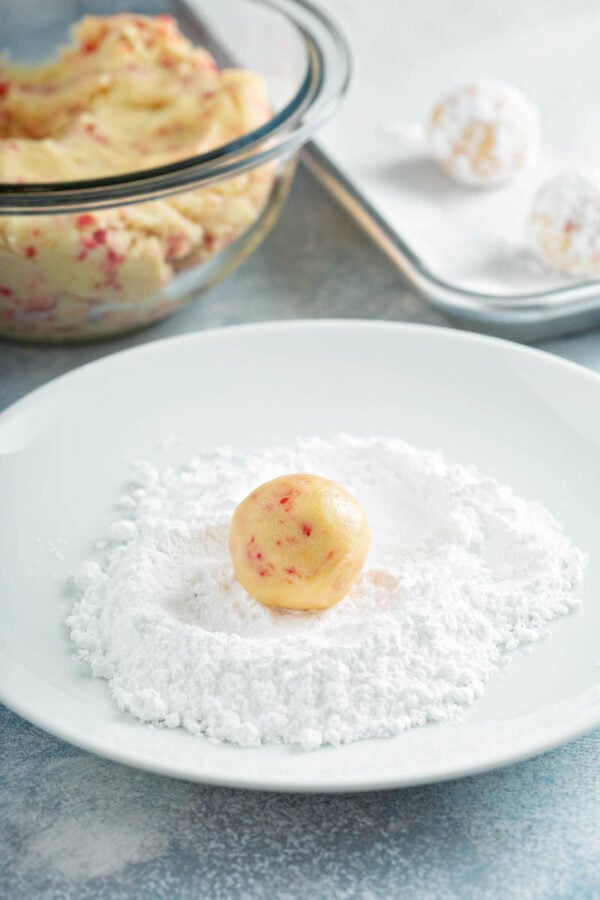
532 315
323 63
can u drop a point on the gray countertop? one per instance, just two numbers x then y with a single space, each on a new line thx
74 825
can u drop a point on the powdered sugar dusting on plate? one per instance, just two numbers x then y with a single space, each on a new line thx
461 571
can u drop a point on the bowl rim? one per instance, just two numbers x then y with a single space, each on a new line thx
325 82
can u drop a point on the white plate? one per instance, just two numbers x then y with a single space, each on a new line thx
521 415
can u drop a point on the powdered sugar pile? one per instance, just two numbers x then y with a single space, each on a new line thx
460 571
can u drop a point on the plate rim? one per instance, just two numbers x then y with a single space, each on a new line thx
350 323
276 783
585 717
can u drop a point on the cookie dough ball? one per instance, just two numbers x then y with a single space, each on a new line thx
299 542
564 224
483 133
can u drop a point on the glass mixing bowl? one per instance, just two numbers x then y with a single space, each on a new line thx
305 63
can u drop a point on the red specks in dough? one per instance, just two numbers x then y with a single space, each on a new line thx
84 220
113 258
4 88
287 501
30 251
92 129
176 246
5 292
252 551
306 529
41 304
98 238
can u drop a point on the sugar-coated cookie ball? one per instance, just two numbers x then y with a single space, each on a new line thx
483 133
564 224
299 542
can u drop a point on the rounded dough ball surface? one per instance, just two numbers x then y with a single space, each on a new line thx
564 224
299 542
483 133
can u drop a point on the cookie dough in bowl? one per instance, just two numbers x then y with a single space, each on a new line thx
131 105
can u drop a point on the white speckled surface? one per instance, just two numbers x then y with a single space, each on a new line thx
75 826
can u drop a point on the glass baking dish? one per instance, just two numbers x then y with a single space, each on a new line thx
465 250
